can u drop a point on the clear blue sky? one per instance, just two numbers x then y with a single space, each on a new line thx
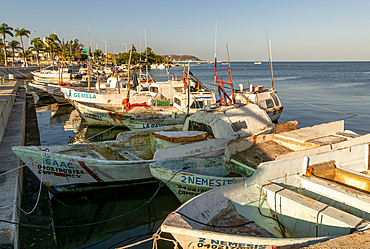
309 30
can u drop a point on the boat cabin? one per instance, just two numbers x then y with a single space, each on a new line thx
166 88
198 100
230 121
266 99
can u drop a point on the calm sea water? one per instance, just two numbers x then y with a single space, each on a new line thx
311 92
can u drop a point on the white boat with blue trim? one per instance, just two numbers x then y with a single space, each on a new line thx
190 177
298 201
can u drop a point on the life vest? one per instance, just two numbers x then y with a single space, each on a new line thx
126 103
184 78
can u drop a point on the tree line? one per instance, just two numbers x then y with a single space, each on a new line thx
67 51
146 57
53 46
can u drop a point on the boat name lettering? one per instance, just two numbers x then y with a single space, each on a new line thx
55 169
154 125
204 182
219 244
189 190
94 116
49 161
81 95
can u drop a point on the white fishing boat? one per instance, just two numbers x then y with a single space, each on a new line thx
108 115
52 75
188 178
265 98
125 160
295 201
152 107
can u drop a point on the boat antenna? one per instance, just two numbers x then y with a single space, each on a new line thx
129 69
146 57
215 57
270 60
188 90
89 59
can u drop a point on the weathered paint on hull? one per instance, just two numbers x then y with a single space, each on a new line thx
101 117
62 170
112 98
137 125
191 180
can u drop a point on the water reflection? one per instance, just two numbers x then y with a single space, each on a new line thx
56 120
92 207
88 134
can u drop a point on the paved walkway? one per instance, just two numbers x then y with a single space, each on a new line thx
12 113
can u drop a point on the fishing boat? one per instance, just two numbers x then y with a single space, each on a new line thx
51 75
152 108
190 177
295 201
265 98
126 160
107 115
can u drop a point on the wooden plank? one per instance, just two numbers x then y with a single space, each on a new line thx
286 126
179 139
260 153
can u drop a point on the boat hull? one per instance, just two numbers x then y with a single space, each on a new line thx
138 124
112 98
187 177
100 117
56 170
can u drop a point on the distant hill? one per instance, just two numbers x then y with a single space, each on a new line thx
173 57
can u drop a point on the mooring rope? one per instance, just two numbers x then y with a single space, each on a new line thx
41 159
89 224
326 109
155 237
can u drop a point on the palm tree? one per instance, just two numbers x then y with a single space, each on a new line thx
76 47
14 45
5 30
53 44
22 32
38 46
27 53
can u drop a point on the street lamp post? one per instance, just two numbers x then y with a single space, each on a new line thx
125 45
106 53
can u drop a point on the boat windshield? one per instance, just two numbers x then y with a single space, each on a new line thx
195 126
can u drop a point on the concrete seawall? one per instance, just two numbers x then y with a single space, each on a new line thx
12 111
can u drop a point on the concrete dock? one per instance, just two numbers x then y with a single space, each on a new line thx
12 116
13 181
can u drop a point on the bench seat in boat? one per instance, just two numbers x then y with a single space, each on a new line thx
305 216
